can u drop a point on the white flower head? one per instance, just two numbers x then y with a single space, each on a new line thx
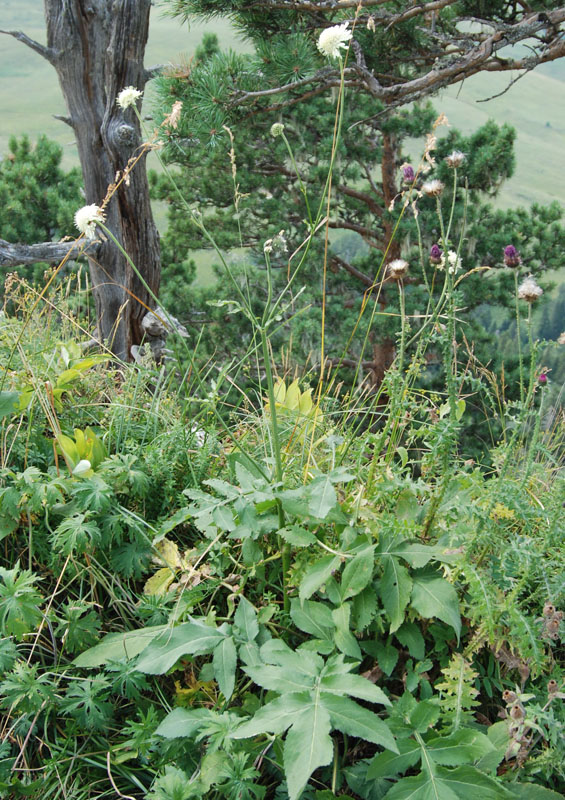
561 339
277 129
454 262
86 219
529 290
432 188
128 97
397 269
455 159
333 39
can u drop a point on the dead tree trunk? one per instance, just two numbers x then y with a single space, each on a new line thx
97 49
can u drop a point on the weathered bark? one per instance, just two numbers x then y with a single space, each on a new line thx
97 49
16 255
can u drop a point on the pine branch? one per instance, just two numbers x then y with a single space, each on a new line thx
47 53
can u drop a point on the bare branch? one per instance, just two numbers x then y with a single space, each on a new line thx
340 262
47 52
66 120
19 255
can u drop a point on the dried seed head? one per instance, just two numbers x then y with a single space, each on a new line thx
529 290
455 159
552 686
548 609
509 696
432 188
517 712
397 269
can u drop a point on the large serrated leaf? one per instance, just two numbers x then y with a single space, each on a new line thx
278 679
316 575
433 596
276 716
191 638
395 588
312 617
182 722
224 661
245 621
118 646
465 746
354 685
389 764
357 573
322 497
308 745
351 718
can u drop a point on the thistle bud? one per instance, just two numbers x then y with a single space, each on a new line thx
511 256
408 174
542 379
435 254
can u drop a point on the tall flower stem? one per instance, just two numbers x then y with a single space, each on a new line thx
518 338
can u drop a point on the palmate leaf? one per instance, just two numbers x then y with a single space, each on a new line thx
462 783
308 745
313 702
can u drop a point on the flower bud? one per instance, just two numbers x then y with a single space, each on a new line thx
277 129
435 254
511 256
408 174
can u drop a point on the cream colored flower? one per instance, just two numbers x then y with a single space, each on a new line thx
397 269
86 219
277 129
432 188
455 159
529 290
561 339
128 97
333 39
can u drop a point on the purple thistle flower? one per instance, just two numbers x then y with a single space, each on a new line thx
542 378
408 173
435 254
511 256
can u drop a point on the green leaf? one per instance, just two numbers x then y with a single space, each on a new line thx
433 596
532 791
118 646
364 608
276 716
225 662
181 722
410 636
191 638
316 575
312 617
388 764
278 679
246 627
387 656
394 588
9 402
354 685
308 745
322 497
344 639
465 746
469 783
297 536
351 718
357 573
424 716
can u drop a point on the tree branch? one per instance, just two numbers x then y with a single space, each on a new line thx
18 255
340 262
47 53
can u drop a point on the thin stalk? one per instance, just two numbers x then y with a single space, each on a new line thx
518 338
300 181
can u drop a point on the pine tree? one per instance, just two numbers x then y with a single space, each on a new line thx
287 80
